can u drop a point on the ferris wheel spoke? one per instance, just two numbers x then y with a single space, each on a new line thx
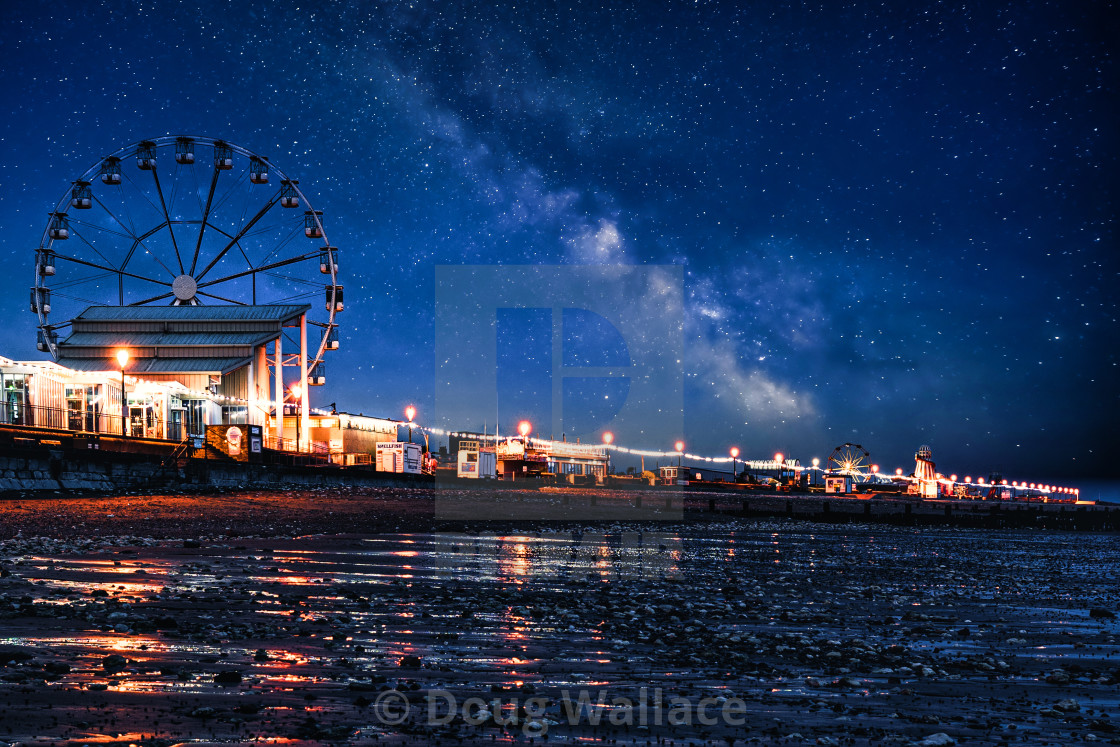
112 270
92 247
80 281
291 279
153 299
127 229
167 218
220 230
298 297
283 243
205 218
260 214
229 193
222 298
253 271
142 193
265 268
88 224
90 301
140 242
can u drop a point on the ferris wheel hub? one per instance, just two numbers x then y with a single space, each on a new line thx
184 287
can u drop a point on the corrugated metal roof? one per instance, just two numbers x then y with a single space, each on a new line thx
277 313
141 366
164 339
195 365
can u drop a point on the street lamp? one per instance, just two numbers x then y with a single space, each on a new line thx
122 358
525 428
410 413
781 465
734 469
297 393
679 446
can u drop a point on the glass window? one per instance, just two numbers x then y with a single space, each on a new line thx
193 416
235 414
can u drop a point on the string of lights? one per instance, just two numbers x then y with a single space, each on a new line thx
762 464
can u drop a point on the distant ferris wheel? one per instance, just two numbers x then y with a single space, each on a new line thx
850 459
193 221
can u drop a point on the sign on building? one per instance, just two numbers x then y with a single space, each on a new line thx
398 456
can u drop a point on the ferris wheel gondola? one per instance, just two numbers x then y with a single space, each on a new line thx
185 227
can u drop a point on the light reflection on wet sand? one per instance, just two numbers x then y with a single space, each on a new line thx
336 616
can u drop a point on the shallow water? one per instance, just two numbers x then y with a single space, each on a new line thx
783 615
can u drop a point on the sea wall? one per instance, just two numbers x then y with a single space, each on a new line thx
53 470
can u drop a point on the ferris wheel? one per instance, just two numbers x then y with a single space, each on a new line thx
850 459
185 221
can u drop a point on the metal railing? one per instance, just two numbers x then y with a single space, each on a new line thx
60 418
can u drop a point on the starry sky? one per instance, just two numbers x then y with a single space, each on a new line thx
895 221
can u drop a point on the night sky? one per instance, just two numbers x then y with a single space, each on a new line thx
895 221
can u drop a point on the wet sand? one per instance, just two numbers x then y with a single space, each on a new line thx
313 617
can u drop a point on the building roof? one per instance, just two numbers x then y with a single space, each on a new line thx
166 339
275 313
140 366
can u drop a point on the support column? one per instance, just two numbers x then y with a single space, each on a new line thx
279 389
258 396
304 420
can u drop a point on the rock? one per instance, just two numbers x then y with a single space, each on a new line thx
1058 677
228 677
1067 706
114 663
1100 613
940 739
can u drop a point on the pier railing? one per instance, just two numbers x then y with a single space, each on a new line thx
15 413
150 425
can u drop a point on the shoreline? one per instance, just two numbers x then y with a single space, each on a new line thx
323 510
